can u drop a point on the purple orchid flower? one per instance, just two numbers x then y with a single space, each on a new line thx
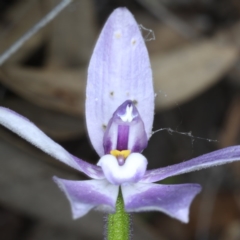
119 114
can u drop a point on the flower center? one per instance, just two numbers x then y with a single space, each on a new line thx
120 155
125 130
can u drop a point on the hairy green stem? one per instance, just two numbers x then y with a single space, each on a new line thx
118 225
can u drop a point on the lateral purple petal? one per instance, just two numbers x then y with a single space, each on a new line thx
86 195
219 157
173 200
119 70
30 132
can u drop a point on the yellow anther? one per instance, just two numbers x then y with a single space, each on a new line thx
123 153
115 153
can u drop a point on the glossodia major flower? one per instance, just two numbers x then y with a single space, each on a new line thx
119 114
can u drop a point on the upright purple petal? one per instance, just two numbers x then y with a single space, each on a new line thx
30 132
119 70
219 157
174 200
86 195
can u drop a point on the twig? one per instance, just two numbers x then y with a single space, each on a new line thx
163 14
50 16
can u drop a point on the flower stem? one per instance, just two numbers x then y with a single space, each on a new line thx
118 225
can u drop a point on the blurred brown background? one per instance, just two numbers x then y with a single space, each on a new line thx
196 68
